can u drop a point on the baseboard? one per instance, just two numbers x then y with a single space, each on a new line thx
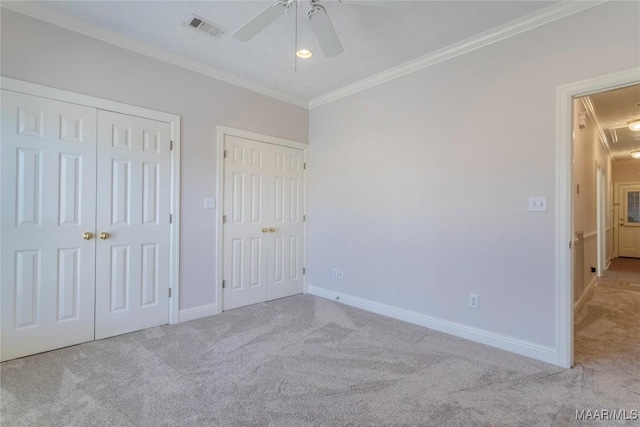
585 295
503 342
198 312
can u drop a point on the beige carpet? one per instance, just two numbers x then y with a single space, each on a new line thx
305 361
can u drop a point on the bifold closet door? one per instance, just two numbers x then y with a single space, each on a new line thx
133 224
48 207
263 230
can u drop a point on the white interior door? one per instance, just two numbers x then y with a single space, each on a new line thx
286 244
132 268
629 222
263 236
48 203
246 194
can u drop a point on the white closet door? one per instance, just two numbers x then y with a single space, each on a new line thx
286 242
48 203
263 233
247 173
132 258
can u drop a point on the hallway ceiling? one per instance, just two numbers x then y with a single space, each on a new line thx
614 109
376 36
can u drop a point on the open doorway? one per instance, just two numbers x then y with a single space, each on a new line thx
606 225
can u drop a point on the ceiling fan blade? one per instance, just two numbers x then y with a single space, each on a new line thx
261 21
324 31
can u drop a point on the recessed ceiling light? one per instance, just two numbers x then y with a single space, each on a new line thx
634 125
304 54
635 154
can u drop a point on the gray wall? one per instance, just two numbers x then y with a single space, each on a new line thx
45 54
419 187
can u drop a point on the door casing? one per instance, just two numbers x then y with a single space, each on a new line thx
221 133
564 201
174 120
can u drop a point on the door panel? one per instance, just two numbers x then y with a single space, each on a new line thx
244 242
132 270
286 243
263 239
48 202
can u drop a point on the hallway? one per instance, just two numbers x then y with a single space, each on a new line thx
607 327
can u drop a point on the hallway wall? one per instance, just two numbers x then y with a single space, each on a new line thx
587 150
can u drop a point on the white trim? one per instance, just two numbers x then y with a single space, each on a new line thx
174 120
198 312
593 115
222 131
564 200
586 294
55 18
503 342
526 23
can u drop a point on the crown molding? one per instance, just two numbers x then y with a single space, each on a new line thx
529 22
635 162
593 115
60 20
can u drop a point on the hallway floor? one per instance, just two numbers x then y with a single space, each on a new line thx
607 327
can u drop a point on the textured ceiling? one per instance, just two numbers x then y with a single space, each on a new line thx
614 109
376 36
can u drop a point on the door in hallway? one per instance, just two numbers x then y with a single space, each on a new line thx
263 230
629 221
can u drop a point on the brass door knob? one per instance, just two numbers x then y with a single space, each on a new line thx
87 235
272 230
104 235
265 230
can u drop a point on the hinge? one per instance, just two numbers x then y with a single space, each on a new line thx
170 219
304 165
170 145
304 218
169 292
224 154
224 218
304 270
223 284
570 244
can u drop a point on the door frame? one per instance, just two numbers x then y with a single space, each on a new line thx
564 196
173 119
221 133
601 216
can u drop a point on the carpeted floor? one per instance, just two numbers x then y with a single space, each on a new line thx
306 361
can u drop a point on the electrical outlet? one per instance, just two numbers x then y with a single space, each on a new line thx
474 300
340 274
334 273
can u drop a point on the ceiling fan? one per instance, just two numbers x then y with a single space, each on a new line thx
316 14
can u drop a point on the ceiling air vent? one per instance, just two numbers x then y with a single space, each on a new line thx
200 24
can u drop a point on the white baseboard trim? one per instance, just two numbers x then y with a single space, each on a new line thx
198 312
503 342
585 295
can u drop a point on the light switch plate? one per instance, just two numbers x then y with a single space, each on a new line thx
537 204
209 203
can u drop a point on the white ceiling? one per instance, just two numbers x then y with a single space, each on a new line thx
376 37
614 108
